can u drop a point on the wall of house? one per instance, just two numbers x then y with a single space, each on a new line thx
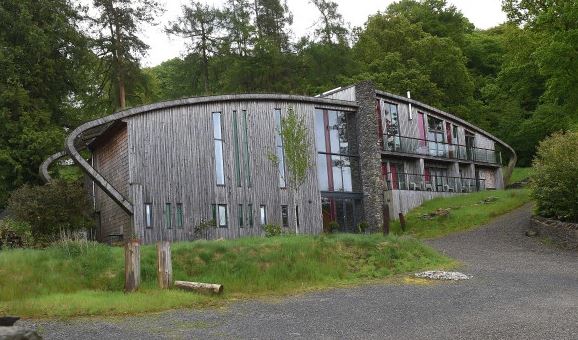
110 159
402 201
172 157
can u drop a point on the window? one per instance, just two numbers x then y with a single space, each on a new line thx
148 215
250 215
391 119
218 138
220 215
297 215
263 215
279 149
337 167
179 215
435 136
246 149
240 215
237 150
285 216
168 219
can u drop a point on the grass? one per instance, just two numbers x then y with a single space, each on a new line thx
466 212
74 279
520 174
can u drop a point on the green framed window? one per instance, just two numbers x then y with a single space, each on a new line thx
168 219
179 216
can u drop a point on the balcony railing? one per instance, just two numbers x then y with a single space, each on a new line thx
417 182
416 146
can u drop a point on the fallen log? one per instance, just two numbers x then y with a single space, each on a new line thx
207 288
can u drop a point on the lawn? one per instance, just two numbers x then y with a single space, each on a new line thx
520 174
74 279
465 212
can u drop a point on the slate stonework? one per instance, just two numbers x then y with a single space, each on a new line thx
562 233
369 154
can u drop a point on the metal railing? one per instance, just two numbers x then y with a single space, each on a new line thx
416 146
417 182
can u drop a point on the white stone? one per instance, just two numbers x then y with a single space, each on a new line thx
443 275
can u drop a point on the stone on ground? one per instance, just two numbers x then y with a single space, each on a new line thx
443 275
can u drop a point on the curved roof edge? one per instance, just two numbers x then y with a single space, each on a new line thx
43 170
449 115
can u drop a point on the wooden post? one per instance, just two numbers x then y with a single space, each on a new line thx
164 264
402 221
385 220
131 266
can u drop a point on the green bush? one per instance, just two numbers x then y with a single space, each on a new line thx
272 230
15 234
51 209
555 177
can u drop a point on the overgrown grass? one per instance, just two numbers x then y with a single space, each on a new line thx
466 211
520 174
74 279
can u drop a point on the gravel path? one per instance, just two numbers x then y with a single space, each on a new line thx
521 289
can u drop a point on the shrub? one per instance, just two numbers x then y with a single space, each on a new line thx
554 181
272 230
362 227
52 208
15 234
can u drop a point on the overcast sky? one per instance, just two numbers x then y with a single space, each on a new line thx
483 13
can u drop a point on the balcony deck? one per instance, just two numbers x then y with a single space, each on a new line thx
418 182
439 150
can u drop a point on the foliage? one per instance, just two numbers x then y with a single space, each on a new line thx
272 230
296 145
202 228
362 227
53 208
554 180
15 234
520 174
87 278
463 212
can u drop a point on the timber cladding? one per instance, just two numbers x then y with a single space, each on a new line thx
172 158
110 159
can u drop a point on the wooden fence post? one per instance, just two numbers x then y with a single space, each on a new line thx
164 264
402 221
385 219
131 266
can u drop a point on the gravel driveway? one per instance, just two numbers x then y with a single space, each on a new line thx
521 289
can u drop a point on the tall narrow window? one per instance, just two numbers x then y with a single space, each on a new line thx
246 149
179 215
218 137
250 221
297 216
279 149
148 215
285 216
240 215
237 149
168 219
220 215
263 214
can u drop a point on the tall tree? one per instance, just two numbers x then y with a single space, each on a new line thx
199 23
116 27
332 28
271 20
240 30
42 51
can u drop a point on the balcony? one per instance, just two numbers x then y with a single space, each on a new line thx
417 182
415 146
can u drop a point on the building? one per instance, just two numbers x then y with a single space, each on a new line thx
161 171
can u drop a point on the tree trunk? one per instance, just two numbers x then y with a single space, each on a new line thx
121 92
164 264
131 266
208 288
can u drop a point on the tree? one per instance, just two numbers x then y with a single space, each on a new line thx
332 29
116 28
42 54
199 23
271 19
554 182
297 148
240 30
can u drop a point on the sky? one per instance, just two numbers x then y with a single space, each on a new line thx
482 13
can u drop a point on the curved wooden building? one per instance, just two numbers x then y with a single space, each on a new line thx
161 171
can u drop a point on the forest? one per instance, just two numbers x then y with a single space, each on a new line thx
63 62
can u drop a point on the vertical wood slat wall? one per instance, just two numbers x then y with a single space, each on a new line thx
171 155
